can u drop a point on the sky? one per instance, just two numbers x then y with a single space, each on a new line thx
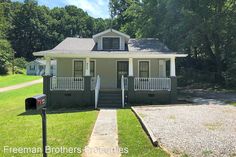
95 8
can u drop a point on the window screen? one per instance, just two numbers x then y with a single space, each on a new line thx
111 43
78 68
143 69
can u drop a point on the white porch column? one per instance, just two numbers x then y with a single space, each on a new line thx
48 67
172 66
87 65
131 71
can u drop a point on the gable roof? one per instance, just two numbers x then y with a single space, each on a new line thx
127 37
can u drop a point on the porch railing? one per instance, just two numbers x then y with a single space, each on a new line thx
126 83
123 91
152 84
93 83
97 89
67 83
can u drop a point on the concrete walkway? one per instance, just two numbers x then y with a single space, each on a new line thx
26 84
104 139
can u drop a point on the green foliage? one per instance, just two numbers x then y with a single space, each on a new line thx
5 55
205 30
34 28
20 62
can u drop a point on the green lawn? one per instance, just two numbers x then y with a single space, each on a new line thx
8 80
133 137
17 130
234 103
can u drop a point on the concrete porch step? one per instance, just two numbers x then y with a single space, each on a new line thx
109 106
110 102
110 99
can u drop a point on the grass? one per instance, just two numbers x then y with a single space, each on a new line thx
171 117
233 103
133 137
24 130
207 152
9 80
213 126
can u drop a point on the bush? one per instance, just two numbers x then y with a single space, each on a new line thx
19 71
230 76
5 55
3 68
20 62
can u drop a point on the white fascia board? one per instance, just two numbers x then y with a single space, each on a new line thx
112 55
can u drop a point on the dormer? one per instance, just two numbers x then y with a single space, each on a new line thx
111 40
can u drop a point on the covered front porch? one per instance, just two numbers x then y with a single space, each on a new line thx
149 73
137 84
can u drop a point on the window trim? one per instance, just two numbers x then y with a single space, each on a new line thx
73 66
110 37
117 66
149 67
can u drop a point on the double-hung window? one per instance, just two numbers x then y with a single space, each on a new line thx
79 68
111 43
144 69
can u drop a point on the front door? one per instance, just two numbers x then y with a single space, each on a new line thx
122 69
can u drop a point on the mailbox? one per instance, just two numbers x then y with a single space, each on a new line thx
36 102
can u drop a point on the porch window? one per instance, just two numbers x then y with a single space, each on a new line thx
143 68
110 43
92 68
78 69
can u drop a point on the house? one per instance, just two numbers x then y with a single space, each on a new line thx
37 67
109 70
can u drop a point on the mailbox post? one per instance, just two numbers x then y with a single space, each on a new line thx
44 130
38 102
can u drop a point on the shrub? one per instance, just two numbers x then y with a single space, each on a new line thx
20 62
5 55
19 71
3 68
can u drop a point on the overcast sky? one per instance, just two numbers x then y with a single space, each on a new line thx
95 8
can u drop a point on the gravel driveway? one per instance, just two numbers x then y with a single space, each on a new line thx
193 130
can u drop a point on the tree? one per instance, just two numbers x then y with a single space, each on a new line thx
5 55
202 29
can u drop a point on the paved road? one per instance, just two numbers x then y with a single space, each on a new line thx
26 84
